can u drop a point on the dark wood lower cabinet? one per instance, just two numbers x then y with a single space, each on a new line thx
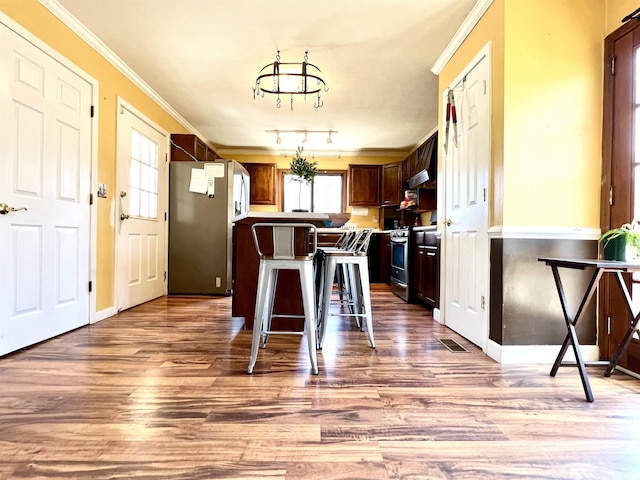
426 268
385 257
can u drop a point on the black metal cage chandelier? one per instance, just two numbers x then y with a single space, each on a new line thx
283 78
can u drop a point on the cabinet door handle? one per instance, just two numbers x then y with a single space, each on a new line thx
431 254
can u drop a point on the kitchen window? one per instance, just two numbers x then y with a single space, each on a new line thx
325 195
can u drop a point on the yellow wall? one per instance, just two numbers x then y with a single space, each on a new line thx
546 109
324 163
617 10
553 112
35 18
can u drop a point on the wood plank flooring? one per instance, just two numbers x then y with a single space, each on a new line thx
161 392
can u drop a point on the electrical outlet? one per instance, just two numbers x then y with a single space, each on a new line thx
218 282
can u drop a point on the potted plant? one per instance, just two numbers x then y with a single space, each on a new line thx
302 171
622 243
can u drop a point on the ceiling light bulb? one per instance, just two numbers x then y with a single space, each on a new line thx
278 139
329 141
304 140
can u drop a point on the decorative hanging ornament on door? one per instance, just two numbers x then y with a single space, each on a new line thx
451 116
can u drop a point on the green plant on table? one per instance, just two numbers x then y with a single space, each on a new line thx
301 168
630 230
631 234
302 171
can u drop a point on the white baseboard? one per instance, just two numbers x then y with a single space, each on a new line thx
436 315
106 313
514 354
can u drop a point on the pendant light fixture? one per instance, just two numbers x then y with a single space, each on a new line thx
285 78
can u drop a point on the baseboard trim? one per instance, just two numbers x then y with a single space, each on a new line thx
106 313
436 315
516 354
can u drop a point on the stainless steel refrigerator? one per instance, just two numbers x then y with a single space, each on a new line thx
200 229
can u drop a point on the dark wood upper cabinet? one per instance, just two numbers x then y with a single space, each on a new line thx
262 183
210 155
412 164
364 185
392 184
425 157
185 147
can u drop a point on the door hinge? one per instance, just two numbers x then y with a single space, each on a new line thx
482 302
91 199
484 87
165 276
165 216
613 65
609 325
611 196
166 157
484 194
90 286
93 111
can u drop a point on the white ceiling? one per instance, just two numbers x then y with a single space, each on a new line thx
203 56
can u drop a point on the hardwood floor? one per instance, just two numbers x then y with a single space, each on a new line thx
161 392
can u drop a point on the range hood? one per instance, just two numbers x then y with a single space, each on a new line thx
418 179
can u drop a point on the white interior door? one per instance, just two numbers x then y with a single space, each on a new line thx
45 168
466 212
141 209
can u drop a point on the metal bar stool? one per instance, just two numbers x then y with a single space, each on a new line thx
283 237
355 267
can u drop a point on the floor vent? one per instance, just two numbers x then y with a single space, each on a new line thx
452 345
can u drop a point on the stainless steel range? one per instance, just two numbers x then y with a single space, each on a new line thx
399 272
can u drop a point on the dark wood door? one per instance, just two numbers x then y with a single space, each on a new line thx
420 277
262 183
364 185
392 184
432 275
620 200
385 258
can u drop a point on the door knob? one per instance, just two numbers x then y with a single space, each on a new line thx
4 209
448 222
124 216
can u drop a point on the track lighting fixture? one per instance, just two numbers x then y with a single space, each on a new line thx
304 133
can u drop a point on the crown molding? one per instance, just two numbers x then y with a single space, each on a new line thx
99 46
461 34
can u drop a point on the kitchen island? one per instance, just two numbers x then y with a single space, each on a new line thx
288 299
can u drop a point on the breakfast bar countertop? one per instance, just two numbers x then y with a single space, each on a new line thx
282 216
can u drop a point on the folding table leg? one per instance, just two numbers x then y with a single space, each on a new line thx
572 337
632 328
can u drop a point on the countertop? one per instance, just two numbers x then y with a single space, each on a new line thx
281 215
426 228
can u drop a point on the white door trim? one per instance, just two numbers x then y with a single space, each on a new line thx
95 87
123 104
484 53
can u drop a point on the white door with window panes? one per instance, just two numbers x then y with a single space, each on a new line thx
141 200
